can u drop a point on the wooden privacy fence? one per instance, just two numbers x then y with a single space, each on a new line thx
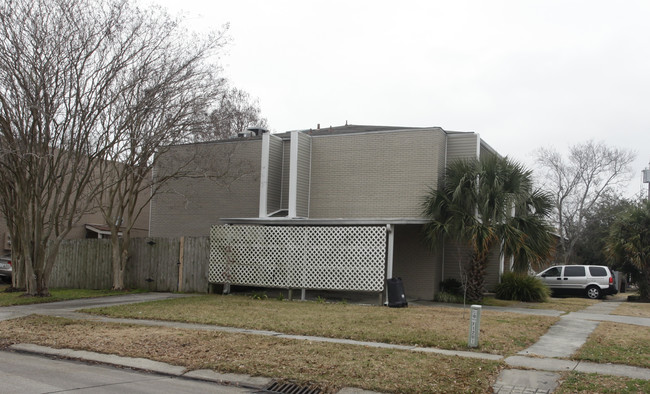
157 264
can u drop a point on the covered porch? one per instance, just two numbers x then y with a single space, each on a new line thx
342 255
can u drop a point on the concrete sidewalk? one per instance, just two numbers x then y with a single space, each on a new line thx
541 376
561 341
62 307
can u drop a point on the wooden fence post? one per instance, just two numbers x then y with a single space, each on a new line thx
180 264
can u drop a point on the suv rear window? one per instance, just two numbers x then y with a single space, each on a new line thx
574 271
597 271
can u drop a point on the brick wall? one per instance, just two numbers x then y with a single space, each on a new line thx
219 179
374 174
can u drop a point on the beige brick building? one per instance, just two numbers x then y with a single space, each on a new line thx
341 176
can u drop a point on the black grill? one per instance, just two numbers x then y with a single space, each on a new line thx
290 388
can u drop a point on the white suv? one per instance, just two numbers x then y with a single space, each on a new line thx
594 281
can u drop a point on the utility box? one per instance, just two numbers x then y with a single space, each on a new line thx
474 326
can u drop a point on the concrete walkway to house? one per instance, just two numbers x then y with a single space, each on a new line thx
562 340
541 374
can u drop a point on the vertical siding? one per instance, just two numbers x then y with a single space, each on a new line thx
304 173
414 262
484 151
286 164
462 146
274 192
369 175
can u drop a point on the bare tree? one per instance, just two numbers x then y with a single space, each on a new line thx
236 111
171 84
89 89
578 182
59 65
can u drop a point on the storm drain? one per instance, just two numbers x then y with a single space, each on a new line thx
290 388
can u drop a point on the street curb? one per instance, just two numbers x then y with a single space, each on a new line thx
131 362
240 380
229 378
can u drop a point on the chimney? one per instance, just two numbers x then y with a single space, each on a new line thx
318 126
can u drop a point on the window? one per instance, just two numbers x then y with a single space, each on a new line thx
597 271
555 271
574 271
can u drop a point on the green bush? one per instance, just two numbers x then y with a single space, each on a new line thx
448 297
521 287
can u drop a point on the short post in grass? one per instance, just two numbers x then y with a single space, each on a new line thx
474 325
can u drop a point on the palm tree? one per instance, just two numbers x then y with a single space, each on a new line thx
628 245
490 204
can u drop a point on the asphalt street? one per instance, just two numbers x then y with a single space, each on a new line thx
32 374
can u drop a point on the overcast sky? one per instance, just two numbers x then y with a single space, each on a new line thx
523 74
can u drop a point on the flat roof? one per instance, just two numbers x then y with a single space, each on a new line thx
283 221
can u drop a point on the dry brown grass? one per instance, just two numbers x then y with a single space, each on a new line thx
575 382
326 365
565 304
636 309
447 328
18 297
619 344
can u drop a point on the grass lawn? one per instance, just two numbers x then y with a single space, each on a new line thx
636 309
17 298
617 343
501 332
575 382
325 365
566 304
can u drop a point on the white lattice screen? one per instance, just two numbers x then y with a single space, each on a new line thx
330 258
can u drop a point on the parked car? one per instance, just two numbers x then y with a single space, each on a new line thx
5 268
594 281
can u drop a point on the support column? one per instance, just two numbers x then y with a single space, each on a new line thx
264 175
390 230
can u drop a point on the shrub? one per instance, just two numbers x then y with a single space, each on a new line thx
259 296
521 287
448 297
451 286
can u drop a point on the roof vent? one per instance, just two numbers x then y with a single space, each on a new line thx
252 132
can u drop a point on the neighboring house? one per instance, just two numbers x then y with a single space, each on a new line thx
90 225
330 179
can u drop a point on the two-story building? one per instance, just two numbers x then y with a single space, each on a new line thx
345 202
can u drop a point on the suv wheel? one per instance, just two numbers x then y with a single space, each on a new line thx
593 292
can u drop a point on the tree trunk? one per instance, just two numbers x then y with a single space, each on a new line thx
42 289
476 279
120 258
18 275
644 285
30 278
116 256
